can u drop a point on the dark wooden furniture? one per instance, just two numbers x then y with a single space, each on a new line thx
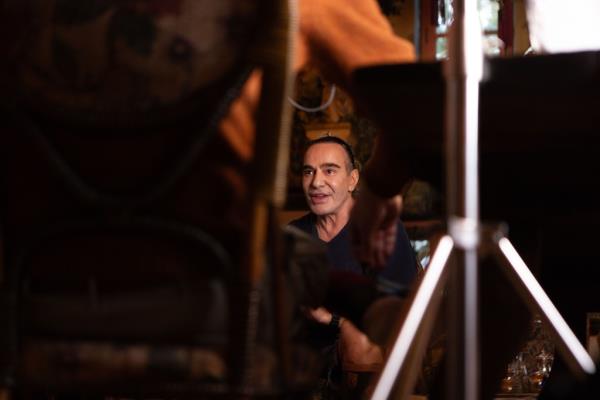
120 274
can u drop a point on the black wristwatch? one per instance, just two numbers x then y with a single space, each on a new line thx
335 321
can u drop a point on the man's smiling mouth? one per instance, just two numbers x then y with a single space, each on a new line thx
318 197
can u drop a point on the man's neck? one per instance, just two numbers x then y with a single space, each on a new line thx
328 226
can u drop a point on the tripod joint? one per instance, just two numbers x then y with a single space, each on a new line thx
466 232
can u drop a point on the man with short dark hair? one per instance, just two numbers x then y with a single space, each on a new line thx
329 179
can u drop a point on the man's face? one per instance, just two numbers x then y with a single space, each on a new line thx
327 178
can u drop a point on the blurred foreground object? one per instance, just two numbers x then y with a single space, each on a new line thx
558 27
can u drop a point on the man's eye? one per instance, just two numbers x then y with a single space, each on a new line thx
307 172
330 171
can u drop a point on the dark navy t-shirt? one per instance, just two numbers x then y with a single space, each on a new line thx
399 272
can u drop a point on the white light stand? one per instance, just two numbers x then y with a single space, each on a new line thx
463 241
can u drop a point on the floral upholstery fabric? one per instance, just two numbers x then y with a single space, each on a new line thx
112 56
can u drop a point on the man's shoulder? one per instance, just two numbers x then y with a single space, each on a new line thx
304 223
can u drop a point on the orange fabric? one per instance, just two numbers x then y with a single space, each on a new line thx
339 36
238 126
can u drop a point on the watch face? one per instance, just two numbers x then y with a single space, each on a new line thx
123 57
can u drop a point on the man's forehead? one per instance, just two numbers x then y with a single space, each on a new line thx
326 153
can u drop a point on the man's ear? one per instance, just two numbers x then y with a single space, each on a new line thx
355 177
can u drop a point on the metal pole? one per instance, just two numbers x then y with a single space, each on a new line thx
463 72
423 307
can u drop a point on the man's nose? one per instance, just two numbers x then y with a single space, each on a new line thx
317 179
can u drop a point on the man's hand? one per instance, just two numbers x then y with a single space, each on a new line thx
373 227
